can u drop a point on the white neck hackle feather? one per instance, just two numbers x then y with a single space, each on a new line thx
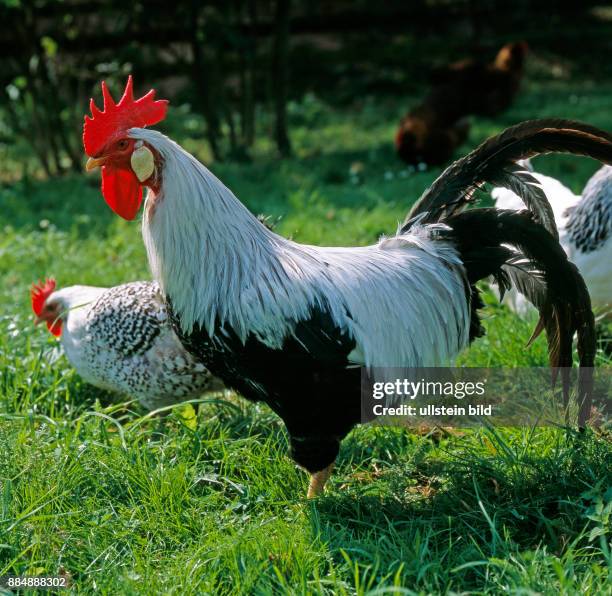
73 301
219 264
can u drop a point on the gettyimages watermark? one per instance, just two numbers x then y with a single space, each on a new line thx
474 396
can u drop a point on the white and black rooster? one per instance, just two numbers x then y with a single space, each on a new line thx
292 324
120 339
584 224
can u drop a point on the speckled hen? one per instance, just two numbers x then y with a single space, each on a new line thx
120 339
584 224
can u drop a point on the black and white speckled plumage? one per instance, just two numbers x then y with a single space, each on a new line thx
589 222
121 339
584 224
129 335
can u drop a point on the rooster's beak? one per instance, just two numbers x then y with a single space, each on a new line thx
38 320
94 162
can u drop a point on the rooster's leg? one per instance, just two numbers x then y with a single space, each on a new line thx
318 480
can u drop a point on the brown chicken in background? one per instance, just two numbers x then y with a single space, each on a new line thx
485 88
431 131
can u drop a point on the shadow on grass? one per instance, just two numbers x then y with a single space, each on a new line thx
491 490
498 490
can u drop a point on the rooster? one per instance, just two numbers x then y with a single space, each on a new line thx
584 225
120 339
292 324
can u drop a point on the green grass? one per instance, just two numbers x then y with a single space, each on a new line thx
127 503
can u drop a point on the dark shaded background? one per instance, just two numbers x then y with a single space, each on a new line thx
237 64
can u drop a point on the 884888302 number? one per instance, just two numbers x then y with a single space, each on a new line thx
41 582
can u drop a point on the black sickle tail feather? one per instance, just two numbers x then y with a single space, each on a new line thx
495 162
518 251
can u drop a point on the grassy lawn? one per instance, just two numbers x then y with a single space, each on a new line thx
127 503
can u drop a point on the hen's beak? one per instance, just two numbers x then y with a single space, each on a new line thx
95 162
38 320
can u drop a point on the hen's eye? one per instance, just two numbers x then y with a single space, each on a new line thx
122 144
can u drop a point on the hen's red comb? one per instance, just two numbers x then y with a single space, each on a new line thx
115 119
39 294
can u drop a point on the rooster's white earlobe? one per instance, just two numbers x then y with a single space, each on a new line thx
143 163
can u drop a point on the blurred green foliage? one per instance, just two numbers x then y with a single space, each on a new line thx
220 60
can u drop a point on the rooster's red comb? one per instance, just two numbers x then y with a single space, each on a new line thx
39 293
116 118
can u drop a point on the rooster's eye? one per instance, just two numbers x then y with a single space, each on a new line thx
122 144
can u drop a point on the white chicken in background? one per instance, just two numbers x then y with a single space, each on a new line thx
120 339
585 232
